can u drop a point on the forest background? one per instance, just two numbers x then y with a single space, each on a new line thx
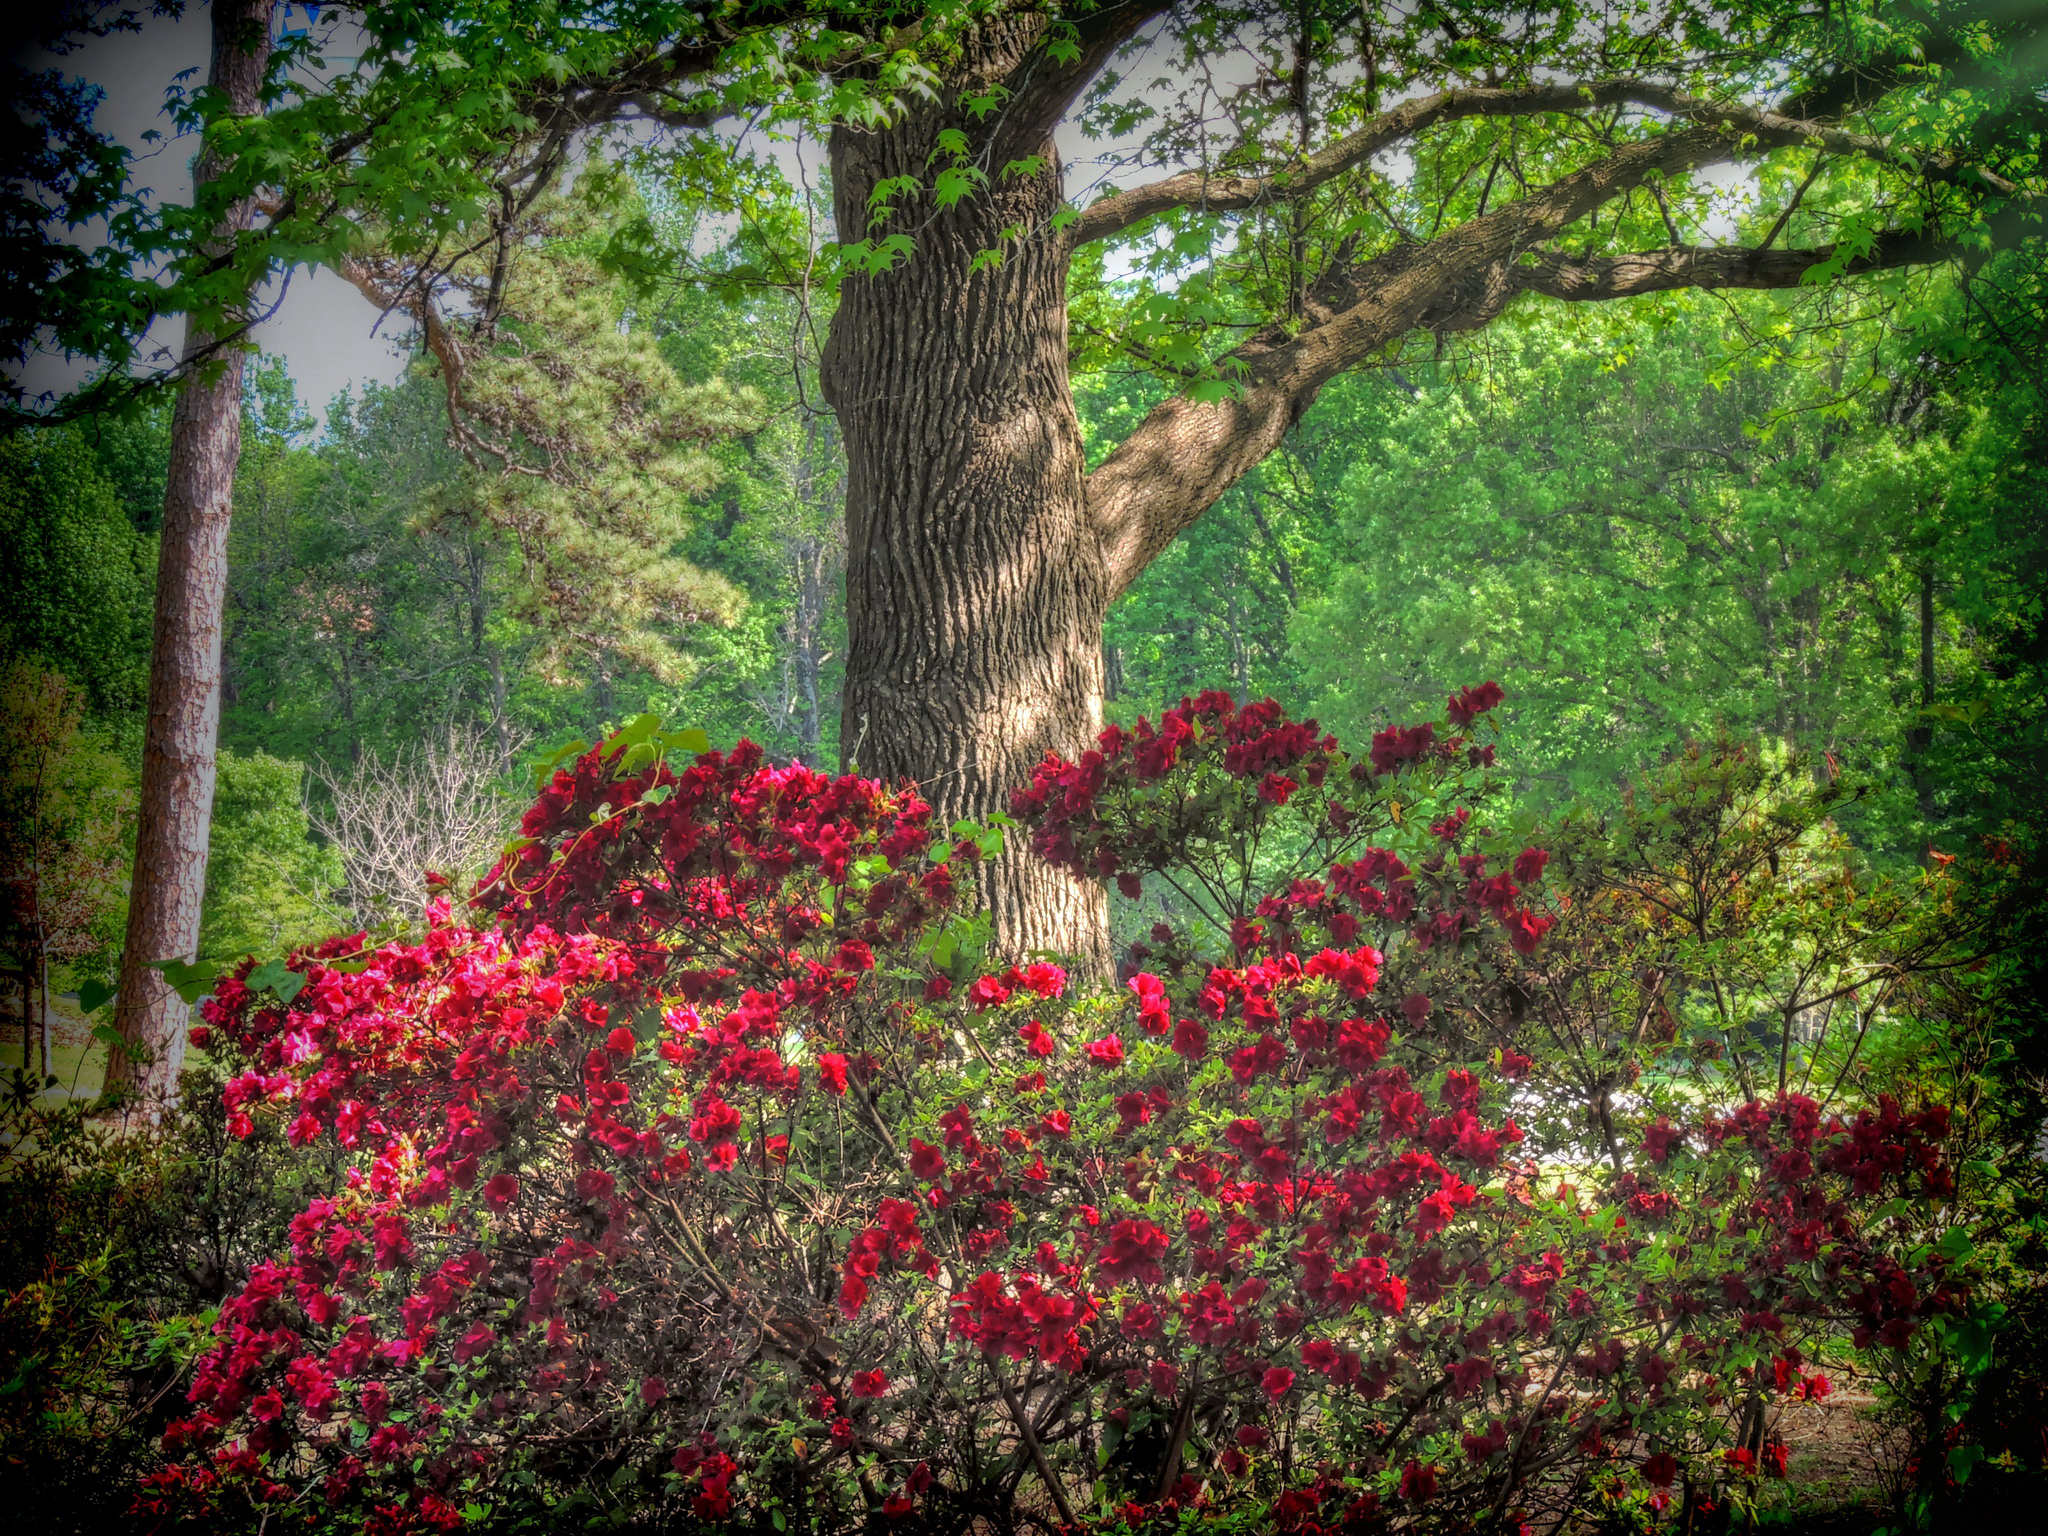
1796 517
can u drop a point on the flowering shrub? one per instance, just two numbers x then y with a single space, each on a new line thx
719 1174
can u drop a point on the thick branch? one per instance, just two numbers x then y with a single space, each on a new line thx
1185 454
1220 194
1042 90
391 291
1621 277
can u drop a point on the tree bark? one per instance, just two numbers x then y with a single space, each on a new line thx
976 584
175 809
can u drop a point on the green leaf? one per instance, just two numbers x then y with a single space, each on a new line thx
546 769
693 741
275 976
93 996
190 982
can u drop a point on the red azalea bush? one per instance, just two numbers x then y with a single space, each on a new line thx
717 1179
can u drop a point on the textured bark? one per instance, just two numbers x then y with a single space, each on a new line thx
175 809
976 587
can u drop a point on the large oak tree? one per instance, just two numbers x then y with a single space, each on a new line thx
1312 183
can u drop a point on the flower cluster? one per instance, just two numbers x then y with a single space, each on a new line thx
720 1157
1196 793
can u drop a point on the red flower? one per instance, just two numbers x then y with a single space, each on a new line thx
1133 1252
832 1072
1470 1374
501 1189
987 993
926 1160
1526 929
1190 1039
1659 1139
1277 1382
1660 1469
1106 1052
869 1383
1045 979
1468 703
1418 1482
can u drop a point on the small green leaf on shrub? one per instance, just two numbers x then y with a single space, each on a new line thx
276 977
190 982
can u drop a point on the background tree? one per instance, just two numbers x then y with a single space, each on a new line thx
65 801
181 733
78 570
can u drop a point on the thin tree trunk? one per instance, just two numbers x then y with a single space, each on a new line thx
175 810
976 586
1920 739
42 944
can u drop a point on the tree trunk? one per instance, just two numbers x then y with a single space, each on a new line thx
976 584
175 810
1920 739
42 962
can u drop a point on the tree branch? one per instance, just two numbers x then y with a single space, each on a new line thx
1620 277
1186 454
1219 194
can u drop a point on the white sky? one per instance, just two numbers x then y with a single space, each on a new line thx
323 327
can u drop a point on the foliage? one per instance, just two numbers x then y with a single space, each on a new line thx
1582 490
716 1176
65 803
115 1252
268 883
591 447
412 145
78 578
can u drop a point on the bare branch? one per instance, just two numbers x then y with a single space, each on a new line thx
431 807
